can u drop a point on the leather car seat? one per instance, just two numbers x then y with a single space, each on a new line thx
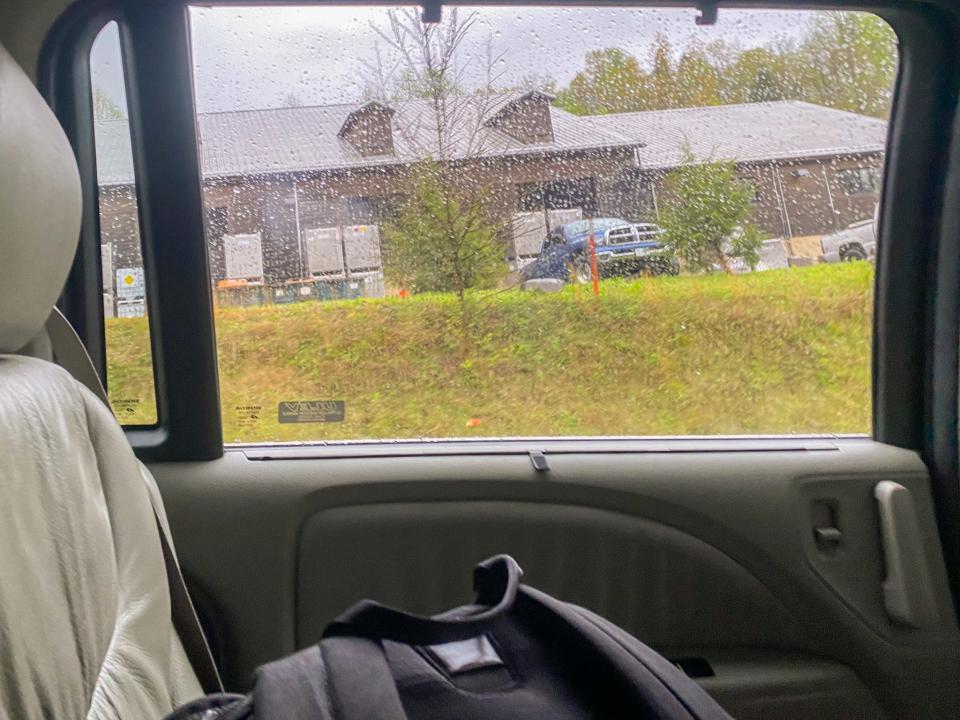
85 603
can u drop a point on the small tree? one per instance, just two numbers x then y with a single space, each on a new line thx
442 238
706 216
445 235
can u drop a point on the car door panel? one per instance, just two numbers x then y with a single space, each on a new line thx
629 569
701 553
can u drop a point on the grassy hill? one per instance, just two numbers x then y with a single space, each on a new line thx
774 352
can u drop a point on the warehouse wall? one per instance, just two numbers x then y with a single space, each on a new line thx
800 198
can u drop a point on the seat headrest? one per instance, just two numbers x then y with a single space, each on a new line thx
39 208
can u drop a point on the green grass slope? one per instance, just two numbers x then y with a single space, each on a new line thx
785 351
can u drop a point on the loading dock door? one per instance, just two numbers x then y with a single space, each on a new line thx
243 256
324 251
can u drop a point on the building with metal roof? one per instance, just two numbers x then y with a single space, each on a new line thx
309 139
289 186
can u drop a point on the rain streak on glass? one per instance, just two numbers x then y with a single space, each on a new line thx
540 221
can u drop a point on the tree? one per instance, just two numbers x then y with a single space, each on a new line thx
696 80
845 60
612 81
442 239
848 61
104 108
446 235
661 92
706 216
543 82
292 100
424 58
756 75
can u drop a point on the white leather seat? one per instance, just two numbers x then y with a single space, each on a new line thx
85 609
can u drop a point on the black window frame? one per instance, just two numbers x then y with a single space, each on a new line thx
154 40
917 299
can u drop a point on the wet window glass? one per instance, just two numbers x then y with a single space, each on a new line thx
541 221
130 379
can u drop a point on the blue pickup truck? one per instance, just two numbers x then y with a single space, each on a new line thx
623 248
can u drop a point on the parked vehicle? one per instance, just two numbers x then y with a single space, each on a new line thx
856 242
623 248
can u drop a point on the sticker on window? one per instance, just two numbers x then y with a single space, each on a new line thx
311 411
247 415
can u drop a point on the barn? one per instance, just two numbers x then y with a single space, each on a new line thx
296 196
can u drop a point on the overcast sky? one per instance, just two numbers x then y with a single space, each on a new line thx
247 57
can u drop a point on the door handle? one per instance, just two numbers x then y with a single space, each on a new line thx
908 586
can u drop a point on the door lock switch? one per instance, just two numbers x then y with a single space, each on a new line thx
826 526
827 538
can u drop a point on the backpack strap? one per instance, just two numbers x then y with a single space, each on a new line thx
360 681
655 682
495 582
296 687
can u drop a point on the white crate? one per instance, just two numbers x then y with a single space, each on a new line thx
529 232
362 243
323 249
559 218
243 256
131 309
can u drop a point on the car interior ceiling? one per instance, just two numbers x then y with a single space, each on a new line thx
770 565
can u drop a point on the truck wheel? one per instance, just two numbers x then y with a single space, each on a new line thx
852 253
671 266
581 271
664 266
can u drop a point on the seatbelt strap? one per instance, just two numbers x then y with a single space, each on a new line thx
70 354
184 617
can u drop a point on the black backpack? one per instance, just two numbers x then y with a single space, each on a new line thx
514 654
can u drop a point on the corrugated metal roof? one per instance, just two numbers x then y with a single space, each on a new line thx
254 142
748 132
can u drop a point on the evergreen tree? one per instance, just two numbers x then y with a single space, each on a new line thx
706 216
442 238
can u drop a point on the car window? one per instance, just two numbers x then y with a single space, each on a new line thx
378 191
130 379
